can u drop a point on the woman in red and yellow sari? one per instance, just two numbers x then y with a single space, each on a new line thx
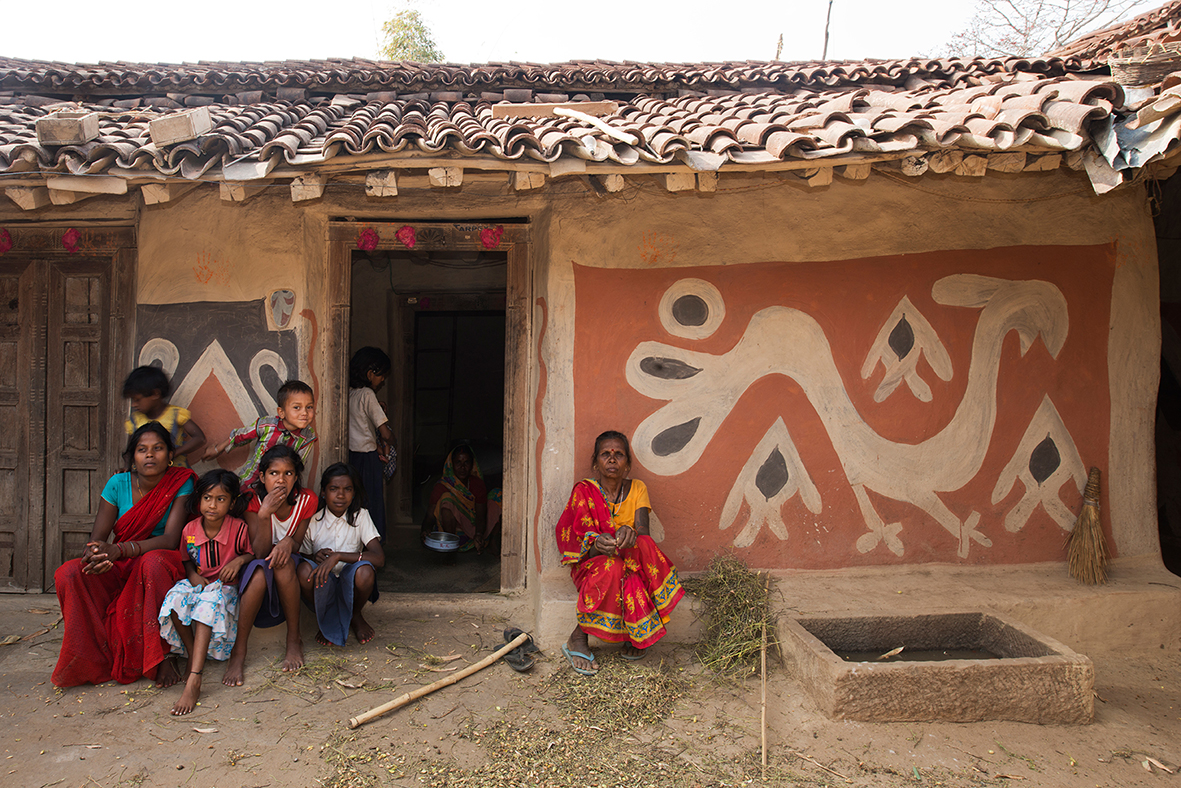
110 597
626 586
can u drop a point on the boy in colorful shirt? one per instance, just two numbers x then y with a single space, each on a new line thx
291 427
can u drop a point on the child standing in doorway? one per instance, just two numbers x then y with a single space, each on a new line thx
368 423
148 389
291 427
200 613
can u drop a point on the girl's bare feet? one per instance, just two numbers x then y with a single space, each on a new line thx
323 641
166 673
362 629
293 660
188 698
234 674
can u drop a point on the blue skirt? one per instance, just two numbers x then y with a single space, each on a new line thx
334 603
271 612
369 465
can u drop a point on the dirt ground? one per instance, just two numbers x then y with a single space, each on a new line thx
683 727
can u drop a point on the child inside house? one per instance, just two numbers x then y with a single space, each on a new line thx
292 427
369 428
199 616
148 389
278 516
344 552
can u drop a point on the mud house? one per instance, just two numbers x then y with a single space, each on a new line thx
875 314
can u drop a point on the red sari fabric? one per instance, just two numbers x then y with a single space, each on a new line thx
111 625
625 597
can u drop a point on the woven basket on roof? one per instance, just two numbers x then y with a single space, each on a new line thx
1145 65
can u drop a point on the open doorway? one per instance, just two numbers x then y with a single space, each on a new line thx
440 315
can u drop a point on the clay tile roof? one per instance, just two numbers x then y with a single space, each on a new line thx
1159 26
305 112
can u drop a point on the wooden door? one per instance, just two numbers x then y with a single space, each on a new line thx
79 416
22 422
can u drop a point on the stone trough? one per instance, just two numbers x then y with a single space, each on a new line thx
1030 678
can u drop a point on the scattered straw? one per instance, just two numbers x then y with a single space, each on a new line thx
737 605
622 697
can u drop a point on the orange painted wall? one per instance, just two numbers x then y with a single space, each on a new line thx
616 309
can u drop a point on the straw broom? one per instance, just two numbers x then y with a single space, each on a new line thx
1086 547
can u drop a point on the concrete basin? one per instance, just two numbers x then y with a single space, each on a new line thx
1033 678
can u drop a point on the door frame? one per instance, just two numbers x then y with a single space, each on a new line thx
116 243
343 237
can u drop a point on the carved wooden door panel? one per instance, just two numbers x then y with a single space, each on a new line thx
22 422
55 412
78 414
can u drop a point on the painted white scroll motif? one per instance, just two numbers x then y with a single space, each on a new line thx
772 476
1045 460
904 338
701 389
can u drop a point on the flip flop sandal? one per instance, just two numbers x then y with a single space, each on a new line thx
570 655
521 658
634 657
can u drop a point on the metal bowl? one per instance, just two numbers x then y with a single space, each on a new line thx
442 542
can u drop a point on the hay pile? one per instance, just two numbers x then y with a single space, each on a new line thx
737 606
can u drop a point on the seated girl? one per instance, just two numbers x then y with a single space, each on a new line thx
344 550
200 614
278 516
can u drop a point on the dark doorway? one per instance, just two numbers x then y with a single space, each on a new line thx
440 316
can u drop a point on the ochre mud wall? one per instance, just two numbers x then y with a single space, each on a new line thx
940 406
883 372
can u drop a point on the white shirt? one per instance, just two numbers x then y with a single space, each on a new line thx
326 531
365 418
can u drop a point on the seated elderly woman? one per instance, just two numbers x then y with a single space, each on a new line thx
110 597
461 504
626 586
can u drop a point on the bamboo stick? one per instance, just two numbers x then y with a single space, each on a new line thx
410 697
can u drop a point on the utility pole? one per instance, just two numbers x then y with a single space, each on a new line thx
827 19
779 47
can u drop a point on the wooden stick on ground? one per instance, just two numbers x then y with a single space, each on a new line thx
410 697
763 657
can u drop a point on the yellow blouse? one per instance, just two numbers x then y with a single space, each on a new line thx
624 512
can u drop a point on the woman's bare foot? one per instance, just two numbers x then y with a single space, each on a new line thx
166 674
188 698
629 651
293 660
362 629
323 641
234 674
579 643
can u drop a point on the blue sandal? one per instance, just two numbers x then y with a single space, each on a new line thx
570 655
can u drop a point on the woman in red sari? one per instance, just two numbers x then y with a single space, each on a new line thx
111 596
626 586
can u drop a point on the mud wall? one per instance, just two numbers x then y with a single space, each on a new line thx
225 307
872 373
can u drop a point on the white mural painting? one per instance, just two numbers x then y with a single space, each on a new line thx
905 337
702 388
216 364
1046 458
771 477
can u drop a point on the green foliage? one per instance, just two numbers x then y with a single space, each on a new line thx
408 38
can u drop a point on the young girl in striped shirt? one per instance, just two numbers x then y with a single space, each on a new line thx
199 615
